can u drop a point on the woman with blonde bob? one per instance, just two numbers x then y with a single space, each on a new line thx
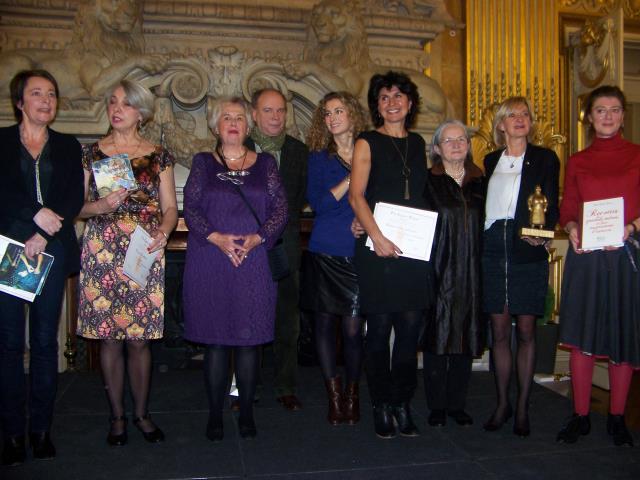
329 284
112 307
515 269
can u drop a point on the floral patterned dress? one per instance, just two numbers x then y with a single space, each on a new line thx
112 306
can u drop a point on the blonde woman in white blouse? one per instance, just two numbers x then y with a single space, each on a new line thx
515 270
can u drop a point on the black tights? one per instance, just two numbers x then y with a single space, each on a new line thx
138 367
325 333
216 377
503 362
397 384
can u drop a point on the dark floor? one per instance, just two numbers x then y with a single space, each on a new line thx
303 445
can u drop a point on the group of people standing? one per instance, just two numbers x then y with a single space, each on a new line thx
242 203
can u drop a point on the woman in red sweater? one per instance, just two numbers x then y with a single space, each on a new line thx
600 291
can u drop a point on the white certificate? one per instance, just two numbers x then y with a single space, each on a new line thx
602 224
138 261
411 229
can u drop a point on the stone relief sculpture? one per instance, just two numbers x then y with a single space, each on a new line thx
107 44
337 54
596 52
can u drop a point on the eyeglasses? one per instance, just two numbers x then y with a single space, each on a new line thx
452 141
602 111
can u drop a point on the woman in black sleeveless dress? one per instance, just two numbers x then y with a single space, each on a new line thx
389 165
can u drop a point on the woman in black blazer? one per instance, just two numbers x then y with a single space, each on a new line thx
515 268
41 192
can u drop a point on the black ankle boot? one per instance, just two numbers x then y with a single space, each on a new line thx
575 426
247 428
42 446
402 414
215 431
617 428
383 421
14 451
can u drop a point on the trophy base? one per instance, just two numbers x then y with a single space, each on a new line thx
536 233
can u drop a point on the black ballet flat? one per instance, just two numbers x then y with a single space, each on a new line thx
154 436
120 439
494 424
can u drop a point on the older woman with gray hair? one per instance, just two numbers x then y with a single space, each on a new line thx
235 208
455 332
113 307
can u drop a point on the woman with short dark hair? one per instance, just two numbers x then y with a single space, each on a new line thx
389 165
40 196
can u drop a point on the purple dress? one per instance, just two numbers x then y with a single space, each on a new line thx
225 305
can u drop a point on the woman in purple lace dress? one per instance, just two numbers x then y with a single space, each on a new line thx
229 295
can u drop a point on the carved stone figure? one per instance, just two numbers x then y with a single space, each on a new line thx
107 44
337 54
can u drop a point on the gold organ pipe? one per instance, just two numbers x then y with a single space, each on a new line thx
510 51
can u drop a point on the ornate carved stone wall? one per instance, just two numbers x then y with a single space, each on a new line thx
191 52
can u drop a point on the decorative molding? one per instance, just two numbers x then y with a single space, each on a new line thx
631 8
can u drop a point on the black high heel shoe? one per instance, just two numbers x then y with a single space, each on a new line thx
154 436
494 424
522 428
117 439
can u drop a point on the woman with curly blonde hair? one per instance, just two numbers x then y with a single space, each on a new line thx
329 284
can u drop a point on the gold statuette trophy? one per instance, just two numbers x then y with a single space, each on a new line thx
537 204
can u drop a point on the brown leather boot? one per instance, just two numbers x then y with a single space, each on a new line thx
351 404
334 394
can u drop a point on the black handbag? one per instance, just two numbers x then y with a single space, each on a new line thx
277 255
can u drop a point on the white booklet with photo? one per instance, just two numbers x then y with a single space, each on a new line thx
20 276
113 173
138 261
411 229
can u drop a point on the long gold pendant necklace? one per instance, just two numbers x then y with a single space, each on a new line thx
406 171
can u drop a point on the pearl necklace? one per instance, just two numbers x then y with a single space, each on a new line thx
457 177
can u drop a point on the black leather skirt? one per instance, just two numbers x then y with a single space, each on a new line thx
329 284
